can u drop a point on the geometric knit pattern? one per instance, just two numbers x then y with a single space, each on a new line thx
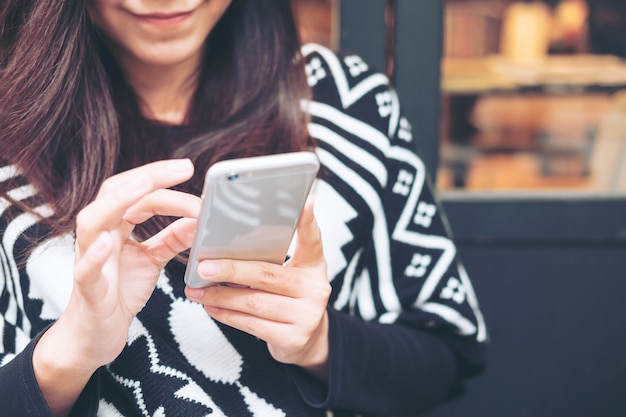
389 254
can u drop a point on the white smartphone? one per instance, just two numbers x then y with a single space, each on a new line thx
250 209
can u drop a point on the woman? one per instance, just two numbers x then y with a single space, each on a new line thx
112 111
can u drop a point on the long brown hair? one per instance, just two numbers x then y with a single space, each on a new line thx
69 119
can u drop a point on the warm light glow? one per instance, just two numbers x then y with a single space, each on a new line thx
526 32
570 18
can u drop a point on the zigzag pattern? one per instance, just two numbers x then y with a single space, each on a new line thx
383 148
389 259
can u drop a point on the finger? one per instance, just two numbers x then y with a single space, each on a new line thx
266 316
269 331
88 268
166 203
106 212
244 301
123 190
260 275
308 249
169 242
164 174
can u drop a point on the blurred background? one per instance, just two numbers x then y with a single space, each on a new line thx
528 91
519 111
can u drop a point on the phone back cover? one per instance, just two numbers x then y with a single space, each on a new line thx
252 214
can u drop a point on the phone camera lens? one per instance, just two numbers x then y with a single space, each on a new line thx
233 177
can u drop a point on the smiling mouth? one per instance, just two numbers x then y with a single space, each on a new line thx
164 19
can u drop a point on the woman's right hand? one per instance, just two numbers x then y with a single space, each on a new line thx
114 275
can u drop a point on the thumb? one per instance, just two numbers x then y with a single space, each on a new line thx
308 248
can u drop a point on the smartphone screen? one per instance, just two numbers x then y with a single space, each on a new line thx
250 209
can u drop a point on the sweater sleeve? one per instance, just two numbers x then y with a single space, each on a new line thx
21 325
406 327
373 369
20 394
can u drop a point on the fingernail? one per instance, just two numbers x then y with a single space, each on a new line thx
208 269
195 293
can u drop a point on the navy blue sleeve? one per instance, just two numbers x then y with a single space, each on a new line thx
380 369
20 394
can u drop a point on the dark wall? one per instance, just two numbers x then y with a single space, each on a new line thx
550 274
556 315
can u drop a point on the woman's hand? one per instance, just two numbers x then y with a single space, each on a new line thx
114 275
284 305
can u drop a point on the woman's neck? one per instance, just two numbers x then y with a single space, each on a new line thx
165 92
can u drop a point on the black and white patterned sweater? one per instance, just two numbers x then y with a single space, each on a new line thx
404 321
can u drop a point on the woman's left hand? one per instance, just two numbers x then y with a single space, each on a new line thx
284 305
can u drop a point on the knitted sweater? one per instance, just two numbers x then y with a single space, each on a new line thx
405 326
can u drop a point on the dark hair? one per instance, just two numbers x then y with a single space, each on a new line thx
69 119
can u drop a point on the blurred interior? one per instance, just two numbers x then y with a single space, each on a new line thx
531 92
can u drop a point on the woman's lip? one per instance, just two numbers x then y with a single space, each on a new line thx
164 19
